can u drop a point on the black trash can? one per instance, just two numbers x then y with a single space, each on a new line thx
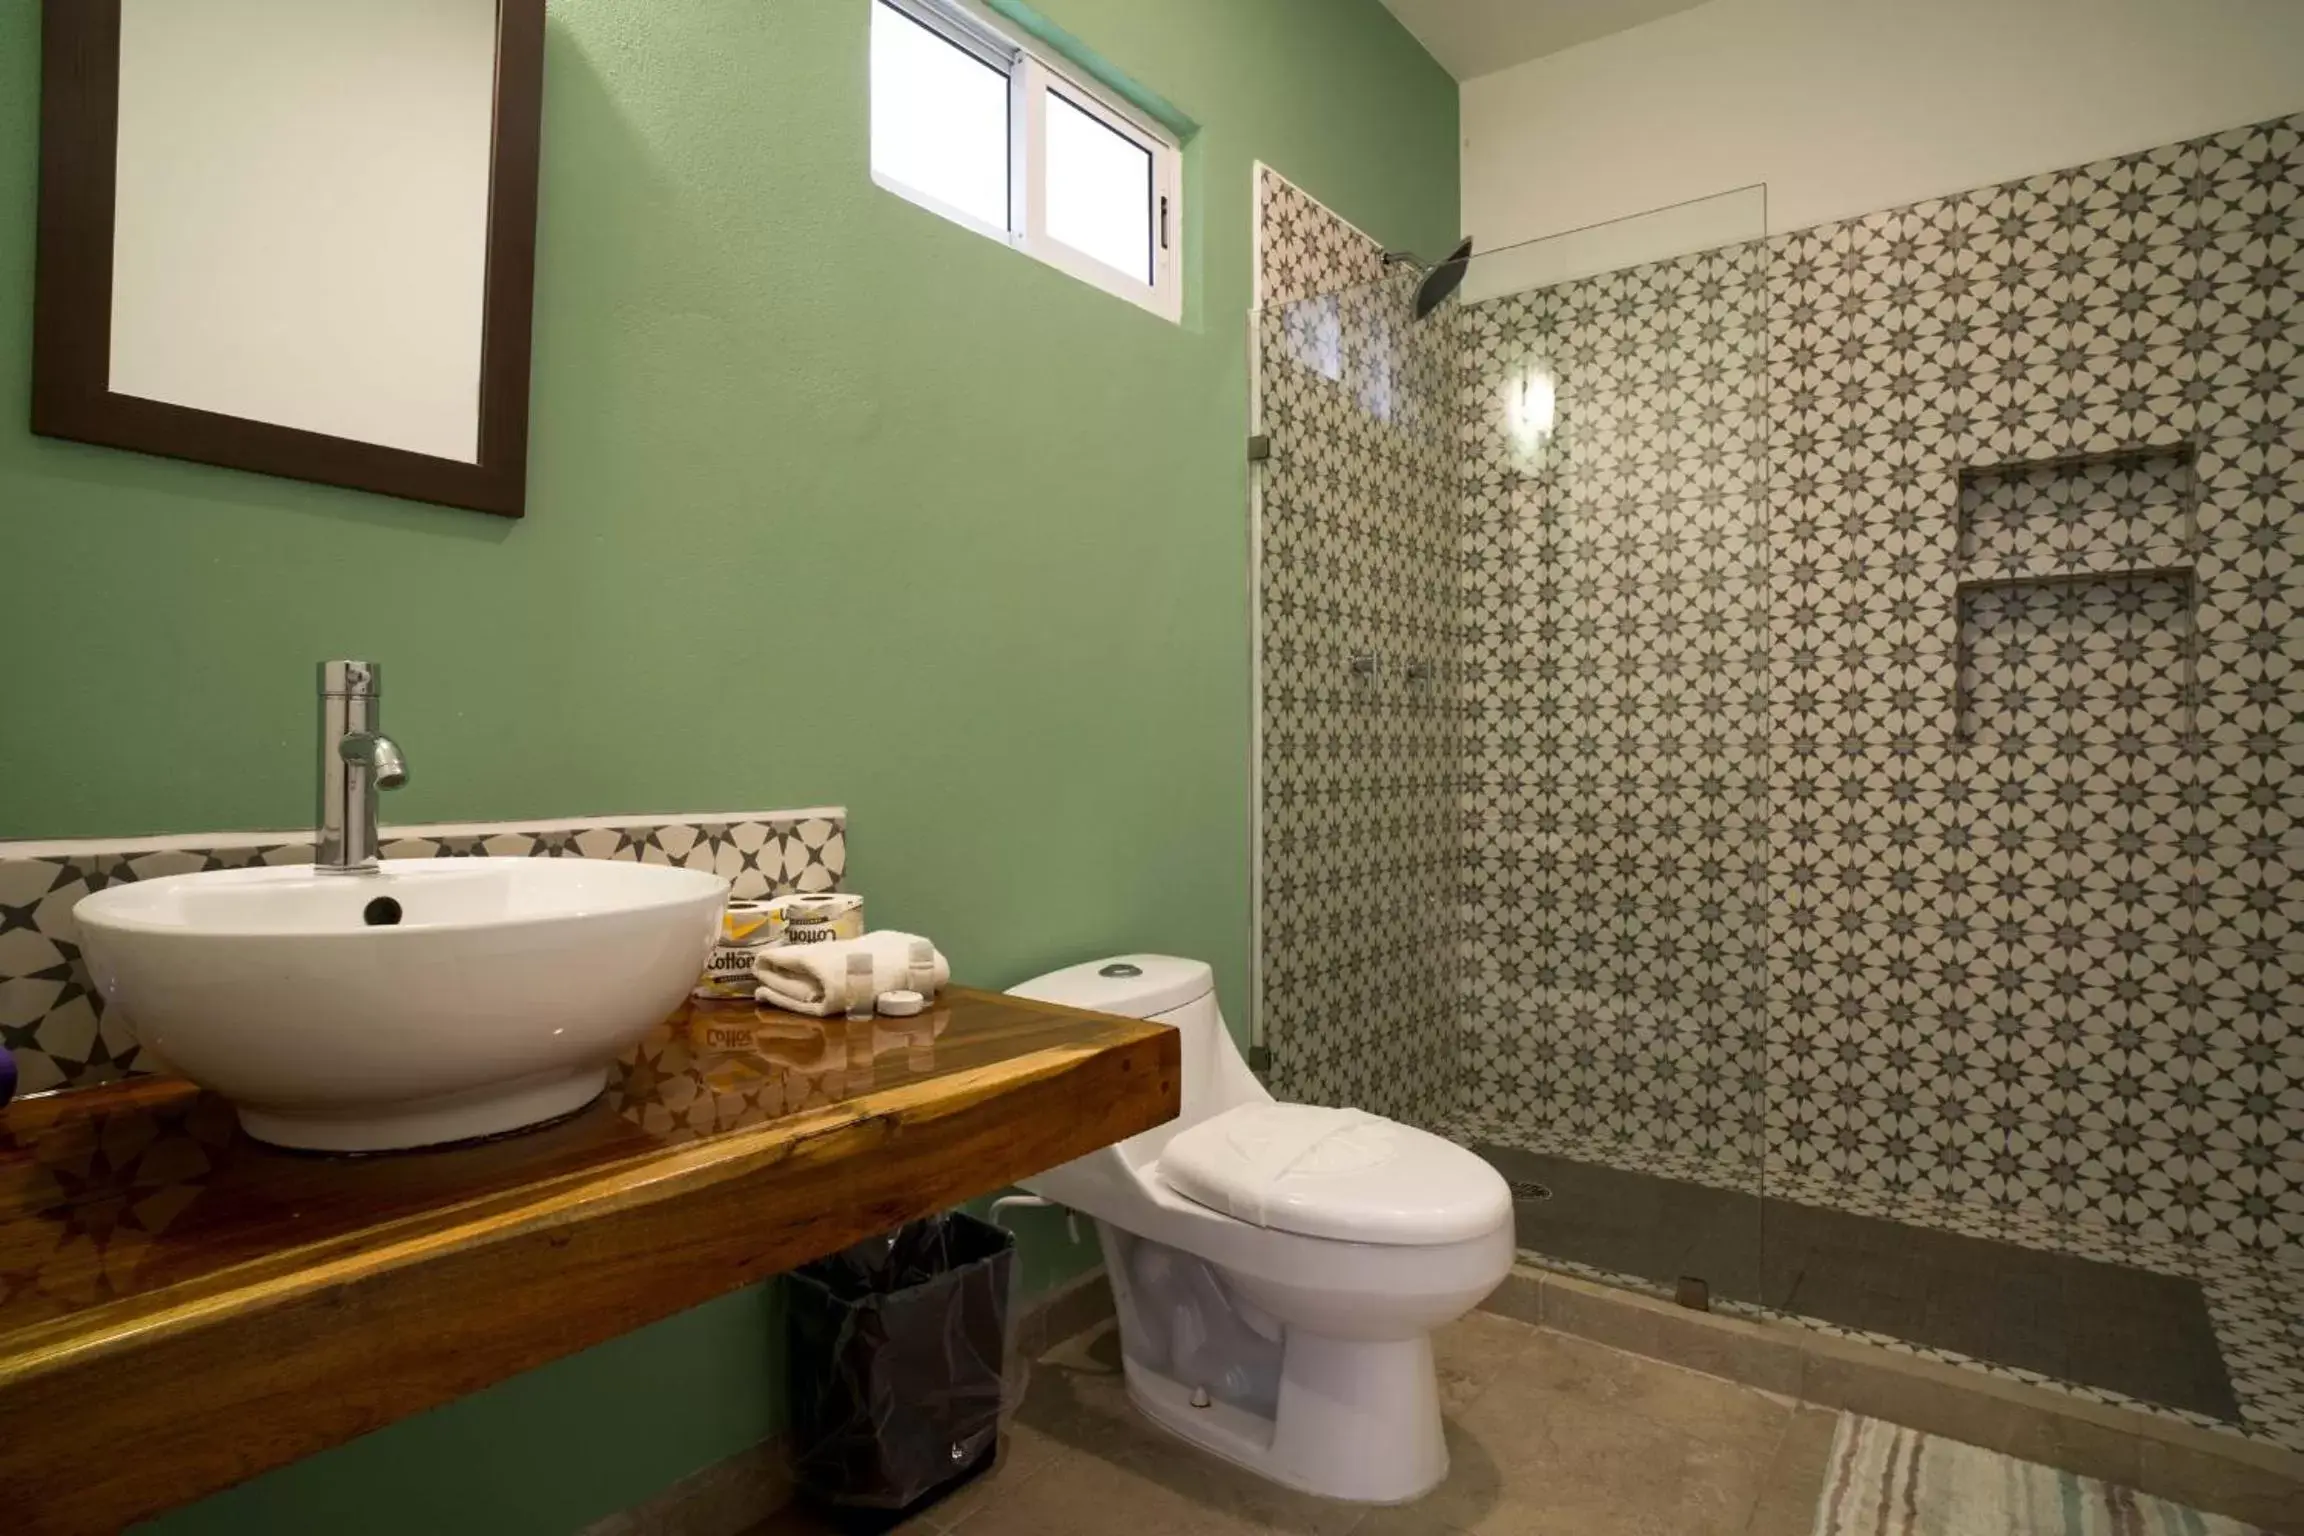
898 1352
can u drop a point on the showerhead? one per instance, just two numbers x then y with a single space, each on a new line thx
1443 279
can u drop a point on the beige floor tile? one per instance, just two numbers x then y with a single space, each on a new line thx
1408 1520
1474 1351
1795 1475
1546 1434
1087 1494
1481 1457
1594 1471
1221 1490
1576 1437
1569 1371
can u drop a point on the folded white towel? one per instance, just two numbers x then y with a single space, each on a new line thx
813 978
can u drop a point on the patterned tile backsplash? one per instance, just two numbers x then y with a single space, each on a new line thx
1356 601
1874 723
54 1024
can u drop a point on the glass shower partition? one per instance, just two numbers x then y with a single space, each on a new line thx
1513 726
1616 729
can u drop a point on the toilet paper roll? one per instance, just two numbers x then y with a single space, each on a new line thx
824 918
746 928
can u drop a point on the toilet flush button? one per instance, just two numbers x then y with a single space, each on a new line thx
1120 968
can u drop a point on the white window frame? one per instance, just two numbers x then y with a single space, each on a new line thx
1030 79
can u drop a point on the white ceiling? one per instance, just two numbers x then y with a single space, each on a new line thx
1479 37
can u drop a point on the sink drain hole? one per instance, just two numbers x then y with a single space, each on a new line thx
383 912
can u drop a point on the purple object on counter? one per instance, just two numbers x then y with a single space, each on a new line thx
7 1076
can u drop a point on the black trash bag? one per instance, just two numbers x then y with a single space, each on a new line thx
898 1349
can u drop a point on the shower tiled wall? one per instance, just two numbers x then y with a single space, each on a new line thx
52 1020
1879 702
1356 555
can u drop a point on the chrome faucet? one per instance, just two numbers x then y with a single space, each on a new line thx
356 760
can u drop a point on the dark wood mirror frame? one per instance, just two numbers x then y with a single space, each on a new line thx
72 303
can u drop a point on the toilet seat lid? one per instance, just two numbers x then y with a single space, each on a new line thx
1336 1173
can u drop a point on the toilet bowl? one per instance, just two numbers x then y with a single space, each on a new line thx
1278 1269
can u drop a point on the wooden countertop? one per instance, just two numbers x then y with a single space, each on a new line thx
182 1307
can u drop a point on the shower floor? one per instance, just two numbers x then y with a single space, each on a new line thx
2144 1335
2255 1301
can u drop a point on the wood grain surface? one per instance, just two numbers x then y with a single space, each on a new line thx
182 1307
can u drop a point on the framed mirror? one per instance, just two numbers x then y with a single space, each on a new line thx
293 236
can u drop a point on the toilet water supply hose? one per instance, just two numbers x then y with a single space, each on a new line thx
1034 1202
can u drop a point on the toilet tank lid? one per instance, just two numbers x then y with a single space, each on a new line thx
1133 986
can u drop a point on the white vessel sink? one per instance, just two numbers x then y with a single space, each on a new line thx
434 1001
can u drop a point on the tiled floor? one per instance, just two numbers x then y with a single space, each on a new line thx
2056 1314
1546 1434
2255 1301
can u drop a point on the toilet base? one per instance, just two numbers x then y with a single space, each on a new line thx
1358 1420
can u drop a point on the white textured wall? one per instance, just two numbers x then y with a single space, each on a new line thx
1847 106
302 212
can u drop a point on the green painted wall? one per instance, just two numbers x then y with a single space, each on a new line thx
770 401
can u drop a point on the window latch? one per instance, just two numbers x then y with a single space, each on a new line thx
1163 221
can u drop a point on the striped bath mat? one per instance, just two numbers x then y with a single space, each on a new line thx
1884 1480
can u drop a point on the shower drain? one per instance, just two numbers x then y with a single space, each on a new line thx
1529 1189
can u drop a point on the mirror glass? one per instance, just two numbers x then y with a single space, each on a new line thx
301 214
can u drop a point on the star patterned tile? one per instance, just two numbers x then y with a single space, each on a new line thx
1870 722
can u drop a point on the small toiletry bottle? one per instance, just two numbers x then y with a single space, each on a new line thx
923 970
860 989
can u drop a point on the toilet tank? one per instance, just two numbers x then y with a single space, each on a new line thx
1167 990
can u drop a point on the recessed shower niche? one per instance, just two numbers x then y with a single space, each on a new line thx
2089 512
2075 598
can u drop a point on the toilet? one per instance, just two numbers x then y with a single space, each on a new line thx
1278 1269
